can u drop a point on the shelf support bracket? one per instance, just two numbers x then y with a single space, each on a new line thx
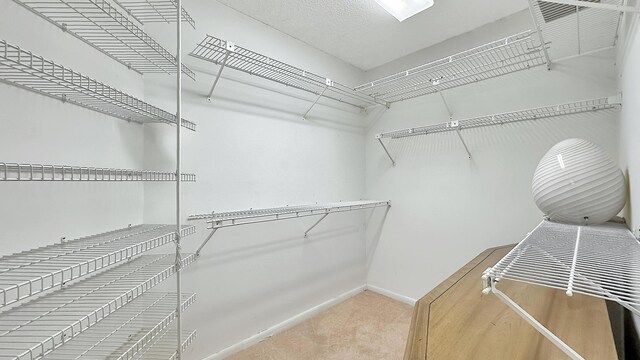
306 233
466 148
393 162
206 241
534 323
231 47
446 105
304 117
540 37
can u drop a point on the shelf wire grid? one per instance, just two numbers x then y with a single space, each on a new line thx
34 271
127 332
38 172
165 345
577 107
570 31
37 327
514 53
599 261
234 218
34 73
214 50
150 11
102 26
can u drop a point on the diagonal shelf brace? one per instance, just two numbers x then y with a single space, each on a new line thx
446 105
206 241
329 83
231 47
456 124
315 224
379 138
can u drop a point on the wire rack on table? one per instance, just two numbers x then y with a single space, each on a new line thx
38 172
150 11
126 332
102 26
33 271
217 51
599 261
508 117
32 72
235 218
576 30
514 53
37 327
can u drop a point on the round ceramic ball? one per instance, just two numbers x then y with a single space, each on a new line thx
576 182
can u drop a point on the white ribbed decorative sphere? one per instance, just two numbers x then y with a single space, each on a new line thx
576 182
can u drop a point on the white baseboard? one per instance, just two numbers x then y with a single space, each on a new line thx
284 325
392 295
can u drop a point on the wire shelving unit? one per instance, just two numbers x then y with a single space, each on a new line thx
32 72
227 54
37 327
578 27
38 172
255 216
592 105
154 11
599 261
508 55
102 26
126 332
34 271
164 348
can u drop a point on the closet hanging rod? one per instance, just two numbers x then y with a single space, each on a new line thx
229 55
102 26
500 57
38 172
597 261
153 11
34 73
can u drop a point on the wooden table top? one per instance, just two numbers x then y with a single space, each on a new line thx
456 321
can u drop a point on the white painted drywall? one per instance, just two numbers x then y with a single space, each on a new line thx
39 129
448 208
252 150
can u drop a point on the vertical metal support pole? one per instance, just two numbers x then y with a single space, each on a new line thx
446 105
578 28
540 37
572 272
536 325
304 117
315 224
178 176
387 151
463 143
215 82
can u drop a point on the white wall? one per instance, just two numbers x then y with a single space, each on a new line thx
252 150
448 208
38 129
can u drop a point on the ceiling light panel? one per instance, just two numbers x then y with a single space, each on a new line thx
404 9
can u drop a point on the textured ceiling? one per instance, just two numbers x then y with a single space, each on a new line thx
361 33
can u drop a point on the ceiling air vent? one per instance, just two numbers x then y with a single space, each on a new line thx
553 11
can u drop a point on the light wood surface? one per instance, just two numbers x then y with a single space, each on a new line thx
456 321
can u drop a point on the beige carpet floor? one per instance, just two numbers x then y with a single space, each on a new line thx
367 326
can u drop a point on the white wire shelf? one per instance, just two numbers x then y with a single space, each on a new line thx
508 117
609 103
102 26
39 326
227 54
574 28
153 11
511 54
31 272
164 346
126 332
32 72
599 261
38 172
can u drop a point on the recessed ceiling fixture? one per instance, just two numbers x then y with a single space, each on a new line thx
404 9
